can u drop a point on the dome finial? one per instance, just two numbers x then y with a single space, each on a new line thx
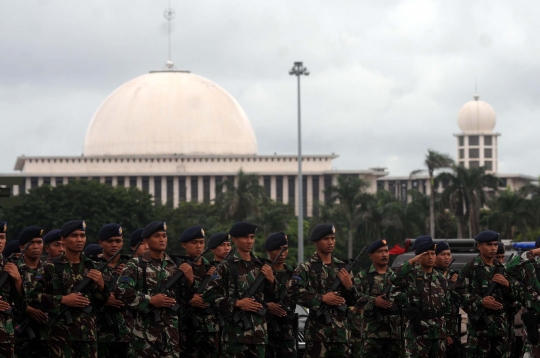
169 15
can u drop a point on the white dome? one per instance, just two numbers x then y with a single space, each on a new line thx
476 117
169 112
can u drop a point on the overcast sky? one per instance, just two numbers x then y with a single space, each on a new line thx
387 77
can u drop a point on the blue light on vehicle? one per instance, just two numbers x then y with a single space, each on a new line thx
523 245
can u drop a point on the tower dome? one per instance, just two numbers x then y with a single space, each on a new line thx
169 112
476 117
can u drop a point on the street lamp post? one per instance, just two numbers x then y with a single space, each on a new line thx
299 70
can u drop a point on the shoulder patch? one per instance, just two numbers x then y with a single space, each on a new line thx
124 279
297 278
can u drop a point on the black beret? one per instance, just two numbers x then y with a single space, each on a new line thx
243 228
218 239
135 237
153 227
500 248
108 231
425 246
537 243
420 240
441 246
487 236
53 235
194 232
321 231
29 233
11 248
92 251
3 227
376 245
275 240
71 226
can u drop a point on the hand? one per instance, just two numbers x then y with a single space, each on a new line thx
211 271
37 315
490 303
4 306
449 340
161 300
381 302
535 251
454 279
198 302
500 280
75 300
417 257
188 272
276 309
113 302
97 277
120 268
13 271
268 273
333 299
248 304
345 278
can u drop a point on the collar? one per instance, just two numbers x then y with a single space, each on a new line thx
237 258
316 258
146 257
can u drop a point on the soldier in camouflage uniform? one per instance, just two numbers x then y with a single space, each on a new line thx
227 289
381 318
114 319
199 331
423 294
220 245
3 235
53 290
488 336
32 340
53 245
282 320
137 288
136 243
310 283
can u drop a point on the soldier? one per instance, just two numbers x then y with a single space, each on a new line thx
156 325
423 294
381 318
419 240
28 316
93 252
3 235
500 252
72 332
199 333
134 240
310 283
282 320
114 320
220 245
52 242
227 289
488 323
12 250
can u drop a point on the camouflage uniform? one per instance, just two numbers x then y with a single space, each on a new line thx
426 307
381 331
282 331
141 277
59 277
39 346
310 282
114 325
199 338
489 338
357 329
10 295
224 290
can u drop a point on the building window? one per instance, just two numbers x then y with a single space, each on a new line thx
219 189
461 153
95 179
47 181
157 190
474 153
488 165
108 181
327 185
461 163
488 140
170 191
59 181
380 185
206 189
474 140
132 182
292 188
33 183
182 188
404 192
121 181
194 189
316 199
488 152
392 187
474 164
145 184
267 185
461 141
415 184
279 189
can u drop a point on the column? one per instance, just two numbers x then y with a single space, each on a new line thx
273 188
188 189
212 188
176 192
163 190
200 188
285 189
309 193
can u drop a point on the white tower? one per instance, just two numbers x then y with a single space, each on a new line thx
477 144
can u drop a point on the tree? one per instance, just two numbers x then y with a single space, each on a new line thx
454 197
382 217
434 161
509 211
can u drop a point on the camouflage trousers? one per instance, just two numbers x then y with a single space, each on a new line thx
381 348
7 350
239 350
115 350
425 348
157 349
279 348
35 348
486 347
199 344
324 350
356 343
72 349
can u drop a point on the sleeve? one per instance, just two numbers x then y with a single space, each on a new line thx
128 289
448 311
40 292
470 300
365 301
216 293
305 293
400 281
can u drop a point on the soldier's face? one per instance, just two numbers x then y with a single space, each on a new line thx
273 254
326 245
157 241
428 260
245 243
141 250
75 241
380 257
443 259
194 247
2 241
488 249
35 249
500 258
222 250
111 246
55 249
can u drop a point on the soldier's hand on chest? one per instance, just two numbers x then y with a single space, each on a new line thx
501 280
211 271
188 272
276 309
382 303
248 304
120 268
333 299
3 304
490 303
75 300
345 278
13 271
197 301
268 273
161 300
36 315
97 277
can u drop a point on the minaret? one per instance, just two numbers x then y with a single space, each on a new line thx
477 143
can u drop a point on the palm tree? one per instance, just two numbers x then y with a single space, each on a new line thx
382 216
434 161
508 212
454 197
